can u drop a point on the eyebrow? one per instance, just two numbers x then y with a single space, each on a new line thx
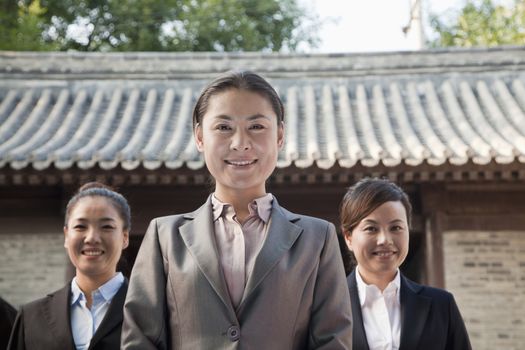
376 222
250 118
101 219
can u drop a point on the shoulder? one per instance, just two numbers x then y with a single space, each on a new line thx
438 295
37 307
305 220
171 221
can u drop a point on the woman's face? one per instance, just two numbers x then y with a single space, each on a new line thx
380 242
95 237
240 138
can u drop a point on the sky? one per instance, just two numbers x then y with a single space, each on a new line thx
372 25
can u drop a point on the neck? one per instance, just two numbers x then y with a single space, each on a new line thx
239 199
88 284
381 281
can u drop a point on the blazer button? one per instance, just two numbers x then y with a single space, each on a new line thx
234 333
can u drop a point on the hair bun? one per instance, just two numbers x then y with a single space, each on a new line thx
94 184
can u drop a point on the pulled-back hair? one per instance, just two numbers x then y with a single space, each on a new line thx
97 189
241 80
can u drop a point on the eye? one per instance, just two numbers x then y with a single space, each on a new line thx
397 228
257 127
370 229
79 227
223 127
108 227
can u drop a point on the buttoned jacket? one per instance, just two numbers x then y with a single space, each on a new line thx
430 318
46 324
295 298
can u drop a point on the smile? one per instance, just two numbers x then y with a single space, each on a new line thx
92 252
384 253
240 162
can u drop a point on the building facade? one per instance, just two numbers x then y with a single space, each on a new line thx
447 125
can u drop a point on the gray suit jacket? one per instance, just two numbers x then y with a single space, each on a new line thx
295 298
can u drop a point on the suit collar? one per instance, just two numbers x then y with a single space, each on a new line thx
414 313
56 312
359 335
198 235
282 234
113 317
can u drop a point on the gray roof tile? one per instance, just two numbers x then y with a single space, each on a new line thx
385 109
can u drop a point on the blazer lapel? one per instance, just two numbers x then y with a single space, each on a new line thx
359 336
282 234
113 317
198 235
414 312
56 311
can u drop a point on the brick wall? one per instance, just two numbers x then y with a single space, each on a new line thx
31 265
486 273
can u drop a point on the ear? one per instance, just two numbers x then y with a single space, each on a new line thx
197 134
65 236
280 135
125 237
348 239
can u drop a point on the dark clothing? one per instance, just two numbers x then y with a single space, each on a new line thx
45 323
7 319
430 318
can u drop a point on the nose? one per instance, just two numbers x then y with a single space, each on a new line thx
240 141
92 236
384 238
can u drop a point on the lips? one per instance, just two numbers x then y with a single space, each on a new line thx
92 252
384 253
240 163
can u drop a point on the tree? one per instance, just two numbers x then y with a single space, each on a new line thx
174 25
482 23
21 26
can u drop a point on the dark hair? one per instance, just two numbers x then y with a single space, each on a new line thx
241 80
97 189
362 199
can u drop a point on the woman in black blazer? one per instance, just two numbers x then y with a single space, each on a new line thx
87 312
7 318
390 311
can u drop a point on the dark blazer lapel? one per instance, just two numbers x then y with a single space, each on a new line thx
56 312
198 235
281 235
113 317
359 336
414 313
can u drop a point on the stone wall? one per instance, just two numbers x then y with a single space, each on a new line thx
486 273
31 265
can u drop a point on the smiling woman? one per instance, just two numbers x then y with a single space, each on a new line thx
389 310
86 313
240 271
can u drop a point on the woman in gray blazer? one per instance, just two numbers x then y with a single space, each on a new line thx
240 272
87 312
389 310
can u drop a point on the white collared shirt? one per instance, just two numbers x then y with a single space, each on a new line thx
84 321
381 313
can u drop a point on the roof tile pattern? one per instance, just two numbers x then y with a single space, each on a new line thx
454 117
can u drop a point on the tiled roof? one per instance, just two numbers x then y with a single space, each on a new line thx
134 110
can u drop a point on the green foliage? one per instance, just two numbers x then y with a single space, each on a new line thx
482 23
161 25
21 26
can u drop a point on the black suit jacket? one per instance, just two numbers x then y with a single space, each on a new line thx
430 318
7 318
45 324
